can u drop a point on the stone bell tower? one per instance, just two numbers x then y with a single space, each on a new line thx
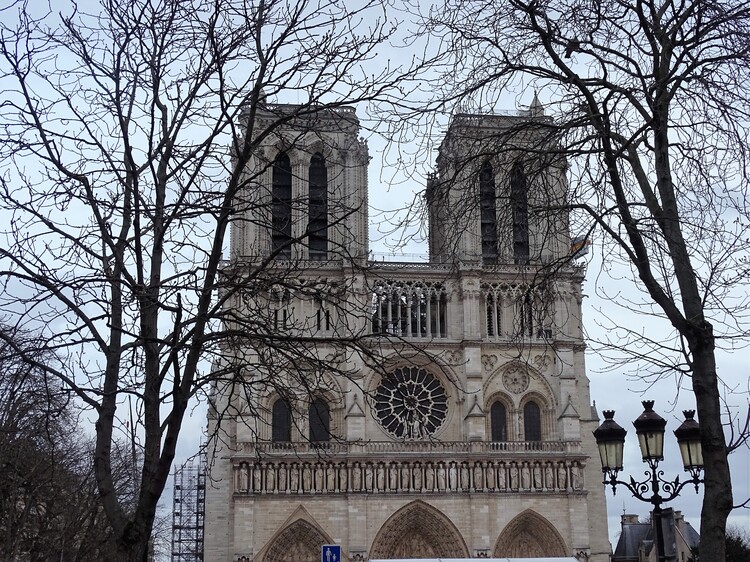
465 430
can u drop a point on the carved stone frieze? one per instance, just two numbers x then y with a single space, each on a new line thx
453 358
432 476
489 362
516 379
542 362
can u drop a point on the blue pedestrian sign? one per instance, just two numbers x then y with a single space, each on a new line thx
330 553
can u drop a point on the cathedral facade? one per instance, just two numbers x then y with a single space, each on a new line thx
455 420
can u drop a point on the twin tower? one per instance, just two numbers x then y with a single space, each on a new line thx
438 409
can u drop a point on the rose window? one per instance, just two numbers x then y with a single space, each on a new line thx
410 403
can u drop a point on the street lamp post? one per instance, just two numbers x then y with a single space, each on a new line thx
610 438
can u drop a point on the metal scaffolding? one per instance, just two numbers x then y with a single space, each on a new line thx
188 511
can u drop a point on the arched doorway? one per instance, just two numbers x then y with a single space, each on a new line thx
300 542
529 535
418 530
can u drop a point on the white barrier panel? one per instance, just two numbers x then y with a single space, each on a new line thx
564 559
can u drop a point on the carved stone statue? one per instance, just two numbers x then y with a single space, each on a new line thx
331 478
405 477
417 477
491 476
513 472
453 476
257 478
414 429
464 476
538 480
319 477
429 477
479 476
294 478
356 477
503 476
441 476
283 475
380 471
270 478
393 477
525 477
575 477
306 477
562 477
244 478
549 477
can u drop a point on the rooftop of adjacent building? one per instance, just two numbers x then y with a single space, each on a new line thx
636 535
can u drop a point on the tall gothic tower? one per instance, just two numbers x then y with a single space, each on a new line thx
459 425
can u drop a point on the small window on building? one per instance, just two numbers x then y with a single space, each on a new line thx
281 207
498 422
281 421
532 422
320 421
488 212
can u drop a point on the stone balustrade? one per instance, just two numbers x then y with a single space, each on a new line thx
510 449
450 476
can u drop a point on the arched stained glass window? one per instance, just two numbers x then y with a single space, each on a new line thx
498 422
281 207
488 211
281 421
320 421
318 211
532 422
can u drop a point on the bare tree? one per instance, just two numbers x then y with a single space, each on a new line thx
125 134
651 119
49 505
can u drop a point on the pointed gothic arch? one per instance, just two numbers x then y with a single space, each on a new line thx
519 205
418 530
498 421
281 421
488 213
530 535
319 420
281 206
532 421
317 226
299 541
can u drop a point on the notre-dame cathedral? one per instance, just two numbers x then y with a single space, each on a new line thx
461 425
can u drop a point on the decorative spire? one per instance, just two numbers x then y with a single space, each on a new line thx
536 109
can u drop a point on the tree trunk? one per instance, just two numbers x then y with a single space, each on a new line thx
717 502
132 548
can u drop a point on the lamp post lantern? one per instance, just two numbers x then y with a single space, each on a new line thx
649 426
